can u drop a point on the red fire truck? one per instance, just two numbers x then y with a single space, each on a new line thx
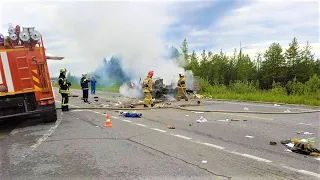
25 86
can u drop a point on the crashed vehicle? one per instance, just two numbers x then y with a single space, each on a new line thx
161 90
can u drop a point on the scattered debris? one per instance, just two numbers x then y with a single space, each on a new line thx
198 102
273 143
224 120
287 111
198 112
276 105
131 115
301 147
311 140
305 124
245 108
308 133
245 120
170 127
235 119
204 161
96 98
131 106
190 124
249 136
202 119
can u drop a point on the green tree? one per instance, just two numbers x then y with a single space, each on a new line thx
185 51
273 67
293 57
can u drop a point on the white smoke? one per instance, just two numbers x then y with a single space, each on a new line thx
130 30
131 90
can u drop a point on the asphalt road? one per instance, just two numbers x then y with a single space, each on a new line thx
78 146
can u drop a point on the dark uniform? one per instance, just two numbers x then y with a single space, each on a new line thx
64 90
85 88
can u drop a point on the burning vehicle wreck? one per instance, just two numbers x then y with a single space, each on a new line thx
160 90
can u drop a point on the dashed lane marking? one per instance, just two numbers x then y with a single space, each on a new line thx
222 148
141 125
256 158
309 173
180 136
212 145
158 130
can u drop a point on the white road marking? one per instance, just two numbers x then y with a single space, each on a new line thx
7 72
212 145
249 136
158 130
96 112
115 117
79 110
126 120
180 136
309 173
317 159
141 125
49 133
256 158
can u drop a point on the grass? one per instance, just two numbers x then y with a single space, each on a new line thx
248 93
104 89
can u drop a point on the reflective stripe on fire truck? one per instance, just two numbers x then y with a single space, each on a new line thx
1 81
36 81
7 72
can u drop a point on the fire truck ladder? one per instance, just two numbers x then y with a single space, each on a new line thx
24 73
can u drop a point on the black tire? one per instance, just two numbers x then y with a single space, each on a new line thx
49 116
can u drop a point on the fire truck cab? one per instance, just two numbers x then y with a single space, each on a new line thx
25 86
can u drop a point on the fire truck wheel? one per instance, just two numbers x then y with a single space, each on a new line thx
49 116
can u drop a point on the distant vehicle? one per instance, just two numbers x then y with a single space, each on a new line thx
25 86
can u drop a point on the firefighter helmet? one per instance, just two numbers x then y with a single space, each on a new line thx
63 70
150 73
181 74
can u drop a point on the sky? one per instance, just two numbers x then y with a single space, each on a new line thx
85 32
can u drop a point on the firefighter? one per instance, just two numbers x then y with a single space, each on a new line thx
182 88
85 87
93 83
147 89
64 89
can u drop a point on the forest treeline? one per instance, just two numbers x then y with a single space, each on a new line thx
292 71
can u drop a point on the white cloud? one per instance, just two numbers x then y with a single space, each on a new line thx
261 23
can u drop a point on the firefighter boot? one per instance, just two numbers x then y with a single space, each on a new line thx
152 105
145 105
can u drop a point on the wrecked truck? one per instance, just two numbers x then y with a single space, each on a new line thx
161 90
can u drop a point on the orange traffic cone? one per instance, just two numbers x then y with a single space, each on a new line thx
108 121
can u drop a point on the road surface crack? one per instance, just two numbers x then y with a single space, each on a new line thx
166 154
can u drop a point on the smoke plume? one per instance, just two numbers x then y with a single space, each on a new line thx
128 30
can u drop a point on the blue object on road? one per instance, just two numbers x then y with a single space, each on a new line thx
132 115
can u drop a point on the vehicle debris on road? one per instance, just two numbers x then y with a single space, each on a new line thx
170 126
201 120
273 143
301 147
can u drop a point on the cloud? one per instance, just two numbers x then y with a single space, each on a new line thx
258 24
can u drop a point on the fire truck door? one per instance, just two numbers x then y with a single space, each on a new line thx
24 73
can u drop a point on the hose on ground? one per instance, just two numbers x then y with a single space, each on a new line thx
182 107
